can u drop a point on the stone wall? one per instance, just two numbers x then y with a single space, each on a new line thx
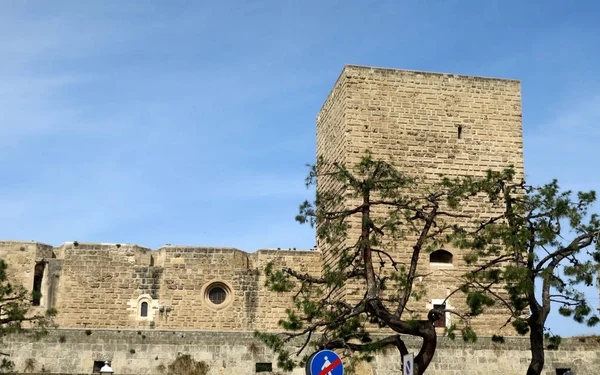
425 124
74 351
104 285
412 120
26 260
22 257
332 145
98 281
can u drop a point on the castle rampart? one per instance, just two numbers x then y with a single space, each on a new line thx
106 285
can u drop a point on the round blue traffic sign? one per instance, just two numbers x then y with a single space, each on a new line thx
325 362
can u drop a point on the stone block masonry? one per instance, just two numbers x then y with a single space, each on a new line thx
425 124
128 286
137 352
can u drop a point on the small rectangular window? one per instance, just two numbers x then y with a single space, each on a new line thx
441 322
563 371
264 367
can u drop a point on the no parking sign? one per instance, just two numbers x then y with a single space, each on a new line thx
324 362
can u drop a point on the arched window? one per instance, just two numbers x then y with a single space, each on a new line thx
144 309
440 256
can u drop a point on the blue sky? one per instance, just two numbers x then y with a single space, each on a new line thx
183 122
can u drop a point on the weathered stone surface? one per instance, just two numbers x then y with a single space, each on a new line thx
73 351
104 285
425 124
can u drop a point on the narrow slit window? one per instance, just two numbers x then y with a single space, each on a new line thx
144 309
38 276
459 132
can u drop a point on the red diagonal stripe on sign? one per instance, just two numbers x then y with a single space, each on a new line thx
331 366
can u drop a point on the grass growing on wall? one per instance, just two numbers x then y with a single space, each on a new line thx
186 365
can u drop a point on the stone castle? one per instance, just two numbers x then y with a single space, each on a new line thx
141 308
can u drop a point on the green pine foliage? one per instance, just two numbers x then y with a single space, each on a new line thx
530 236
541 247
388 208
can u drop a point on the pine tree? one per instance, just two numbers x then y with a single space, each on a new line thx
542 247
373 207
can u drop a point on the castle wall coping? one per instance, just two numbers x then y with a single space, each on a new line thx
288 251
168 248
425 73
178 337
102 246
13 242
207 249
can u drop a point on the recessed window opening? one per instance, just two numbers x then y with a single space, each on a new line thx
264 367
144 309
459 132
217 295
441 322
97 366
440 256
38 276
563 371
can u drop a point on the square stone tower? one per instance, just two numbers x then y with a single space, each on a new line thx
426 124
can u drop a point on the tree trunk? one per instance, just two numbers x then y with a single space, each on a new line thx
536 340
425 355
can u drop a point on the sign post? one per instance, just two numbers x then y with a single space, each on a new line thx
408 364
324 362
